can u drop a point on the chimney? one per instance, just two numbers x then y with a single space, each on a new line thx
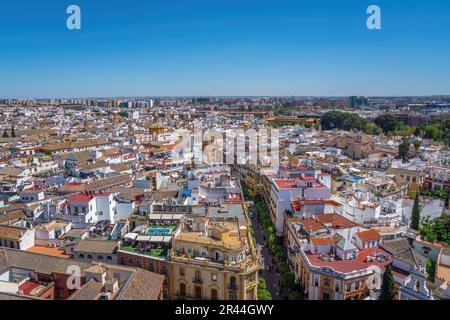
112 285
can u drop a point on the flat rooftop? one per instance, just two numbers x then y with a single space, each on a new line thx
352 265
227 211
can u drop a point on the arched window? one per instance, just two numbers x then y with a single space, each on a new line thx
109 258
89 256
164 270
99 257
81 256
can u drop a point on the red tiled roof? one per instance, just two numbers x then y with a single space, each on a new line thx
296 205
312 225
332 202
287 168
337 221
317 241
28 286
83 197
367 235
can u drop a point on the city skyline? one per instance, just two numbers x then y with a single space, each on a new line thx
232 48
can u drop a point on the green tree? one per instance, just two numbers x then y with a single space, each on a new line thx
431 270
317 125
417 144
13 132
388 289
415 217
280 109
288 280
342 120
440 193
433 132
388 123
296 295
437 230
403 150
373 129
263 294
5 134
418 132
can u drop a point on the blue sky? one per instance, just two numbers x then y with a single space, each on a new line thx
223 47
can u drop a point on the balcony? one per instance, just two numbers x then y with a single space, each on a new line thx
197 280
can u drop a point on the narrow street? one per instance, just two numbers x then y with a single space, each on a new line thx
269 268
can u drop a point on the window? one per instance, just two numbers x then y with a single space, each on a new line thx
99 257
316 282
182 272
417 286
357 285
109 258
138 263
214 277
336 287
89 256
60 292
213 294
233 284
151 267
198 292
81 256
182 289
232 295
164 270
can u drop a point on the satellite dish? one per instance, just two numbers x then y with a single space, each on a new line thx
374 281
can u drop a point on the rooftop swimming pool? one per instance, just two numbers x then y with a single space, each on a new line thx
158 231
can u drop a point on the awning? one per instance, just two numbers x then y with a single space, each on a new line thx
131 235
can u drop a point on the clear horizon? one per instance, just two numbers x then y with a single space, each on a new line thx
218 97
234 48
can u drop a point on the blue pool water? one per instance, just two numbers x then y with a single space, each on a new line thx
355 178
155 231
